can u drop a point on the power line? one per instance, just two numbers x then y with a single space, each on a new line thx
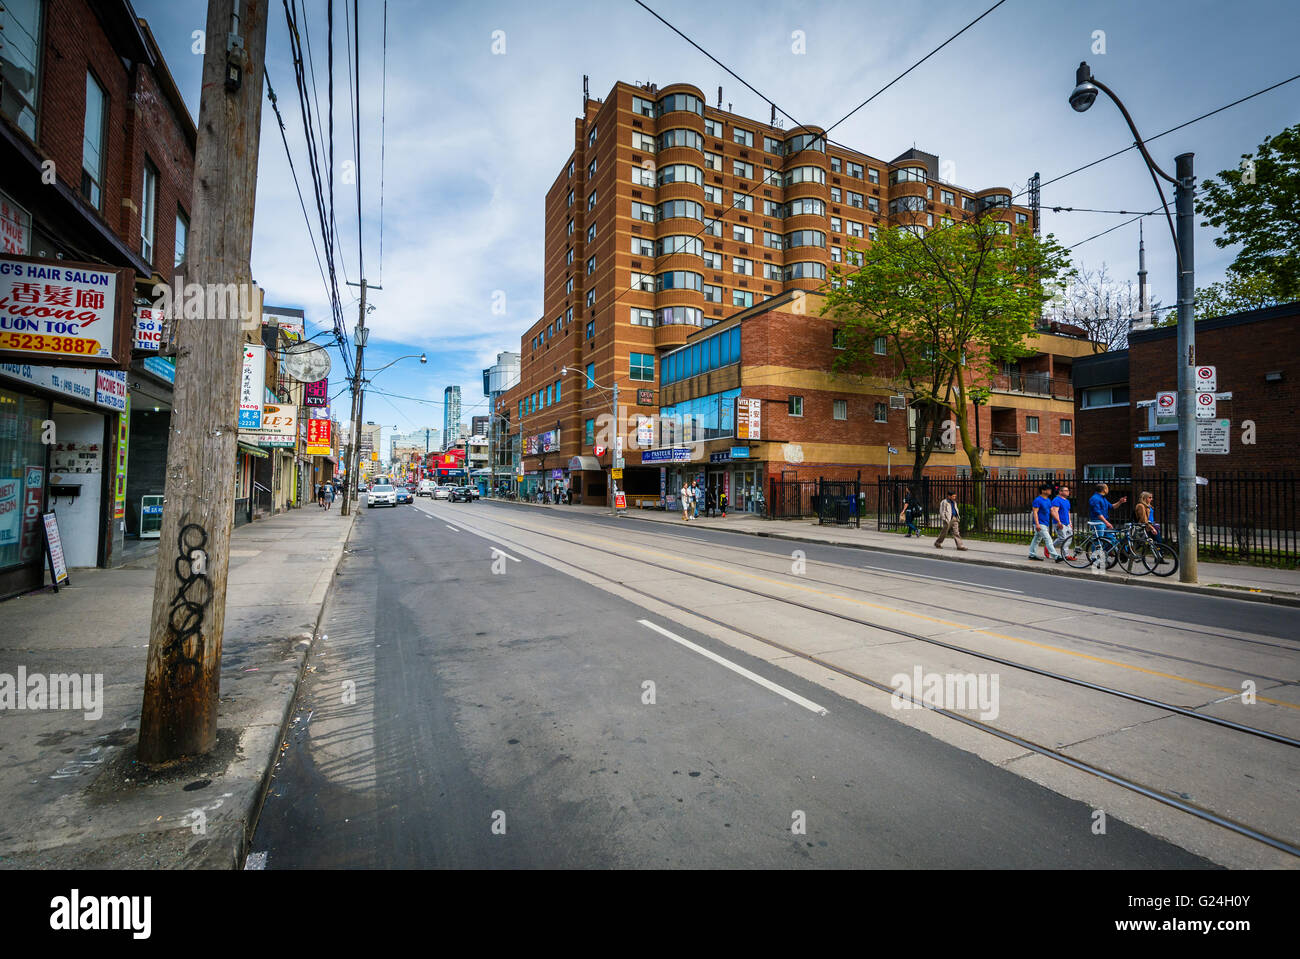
383 143
1157 210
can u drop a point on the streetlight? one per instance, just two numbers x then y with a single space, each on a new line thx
1083 97
615 457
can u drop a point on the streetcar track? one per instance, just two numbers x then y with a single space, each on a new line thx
1124 782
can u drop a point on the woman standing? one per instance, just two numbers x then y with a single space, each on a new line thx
1144 512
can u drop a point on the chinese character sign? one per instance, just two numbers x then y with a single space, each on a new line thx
318 438
316 394
252 386
57 309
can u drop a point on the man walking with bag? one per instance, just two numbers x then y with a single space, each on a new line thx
949 521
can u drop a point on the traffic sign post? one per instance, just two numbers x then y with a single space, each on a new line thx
1205 406
1207 379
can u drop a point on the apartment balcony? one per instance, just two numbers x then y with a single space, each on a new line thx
936 447
1004 444
1034 384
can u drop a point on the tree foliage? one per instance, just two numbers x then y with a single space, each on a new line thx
1257 205
952 304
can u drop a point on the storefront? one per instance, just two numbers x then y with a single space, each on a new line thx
59 436
150 431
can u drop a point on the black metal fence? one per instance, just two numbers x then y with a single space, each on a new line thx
791 499
839 503
1253 517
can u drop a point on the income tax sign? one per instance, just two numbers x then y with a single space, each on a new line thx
56 311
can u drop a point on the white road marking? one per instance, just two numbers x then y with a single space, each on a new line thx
942 579
453 529
505 554
736 668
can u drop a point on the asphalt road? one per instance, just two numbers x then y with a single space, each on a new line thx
457 716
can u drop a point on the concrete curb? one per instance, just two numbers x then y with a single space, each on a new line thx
258 799
1050 569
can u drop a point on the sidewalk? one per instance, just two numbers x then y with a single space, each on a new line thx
1259 583
74 797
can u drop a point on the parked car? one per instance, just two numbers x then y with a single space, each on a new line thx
404 495
381 495
426 487
442 492
462 494
475 492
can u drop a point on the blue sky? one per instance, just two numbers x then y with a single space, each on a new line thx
474 139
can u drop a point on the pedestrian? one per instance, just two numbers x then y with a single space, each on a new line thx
569 495
695 499
329 495
710 502
1064 524
320 495
1144 512
949 521
1099 506
722 503
686 501
910 513
1043 515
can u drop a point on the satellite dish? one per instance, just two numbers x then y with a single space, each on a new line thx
307 362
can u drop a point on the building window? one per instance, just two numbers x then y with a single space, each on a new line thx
835 256
713 261
591 233
148 211
742 266
643 107
742 201
855 228
642 247
1031 424
1099 396
743 137
856 199
771 146
713 128
646 144
589 433
643 317
641 366
182 237
1067 427
92 142
854 170
840 409
591 329
591 264
836 225
794 406
882 413
591 137
836 195
568 257
714 194
773 271
837 339
20 53
835 164
742 298
591 169
742 234
591 298
773 240
591 375
591 201
743 170
948 197
568 200
712 294
643 175
873 176
880 347
805 271
568 287
568 229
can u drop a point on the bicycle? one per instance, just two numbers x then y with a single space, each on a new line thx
1090 547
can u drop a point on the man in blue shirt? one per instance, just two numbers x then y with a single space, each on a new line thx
1063 529
1100 507
1043 514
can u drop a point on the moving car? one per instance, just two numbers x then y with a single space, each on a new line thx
441 492
404 495
381 494
475 492
462 494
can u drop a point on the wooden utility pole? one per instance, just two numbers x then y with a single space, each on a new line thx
351 490
183 677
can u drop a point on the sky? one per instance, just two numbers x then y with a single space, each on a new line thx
477 120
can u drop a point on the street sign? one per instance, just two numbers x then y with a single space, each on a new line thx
1148 457
1205 406
1166 406
1207 379
1212 437
617 473
599 451
893 451
1148 446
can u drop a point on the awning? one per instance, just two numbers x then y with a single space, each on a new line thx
254 451
584 463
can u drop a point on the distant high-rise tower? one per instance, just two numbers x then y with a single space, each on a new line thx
1144 303
451 413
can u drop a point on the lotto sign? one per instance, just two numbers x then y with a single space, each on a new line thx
57 309
1207 379
1205 406
252 386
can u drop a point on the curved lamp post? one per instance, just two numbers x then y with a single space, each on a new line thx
614 457
1083 96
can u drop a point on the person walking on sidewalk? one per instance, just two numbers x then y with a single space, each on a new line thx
722 503
328 495
695 499
710 502
911 511
1042 514
1064 525
1099 506
686 502
949 521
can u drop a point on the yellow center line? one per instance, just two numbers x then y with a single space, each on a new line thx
929 619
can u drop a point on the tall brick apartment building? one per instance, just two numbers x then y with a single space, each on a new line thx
651 237
96 165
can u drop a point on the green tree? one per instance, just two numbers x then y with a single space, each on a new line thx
952 305
1257 205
